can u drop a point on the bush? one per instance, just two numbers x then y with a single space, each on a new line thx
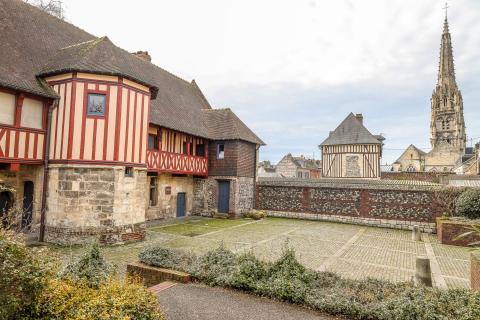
215 267
166 258
256 215
248 273
24 274
468 204
113 299
287 279
90 268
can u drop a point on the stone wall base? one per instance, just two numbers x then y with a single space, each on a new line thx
153 275
103 235
426 227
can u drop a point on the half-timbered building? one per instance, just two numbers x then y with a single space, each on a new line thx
96 140
351 151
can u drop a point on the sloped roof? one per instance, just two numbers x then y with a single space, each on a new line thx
350 131
410 147
223 124
28 39
37 43
100 56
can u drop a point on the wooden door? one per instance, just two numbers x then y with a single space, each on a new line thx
224 196
27 203
181 204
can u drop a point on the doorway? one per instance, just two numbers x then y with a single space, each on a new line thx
6 202
27 203
224 196
181 204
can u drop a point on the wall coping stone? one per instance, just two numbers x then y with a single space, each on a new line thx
152 275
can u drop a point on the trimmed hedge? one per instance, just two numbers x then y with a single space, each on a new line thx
468 204
286 279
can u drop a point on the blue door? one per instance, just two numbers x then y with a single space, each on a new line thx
181 204
223 196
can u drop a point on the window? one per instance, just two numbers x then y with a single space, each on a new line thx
32 114
153 192
129 172
220 151
185 148
96 104
7 107
152 141
200 150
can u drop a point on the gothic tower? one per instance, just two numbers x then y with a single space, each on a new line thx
447 127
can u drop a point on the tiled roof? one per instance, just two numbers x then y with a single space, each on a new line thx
33 42
350 131
100 56
223 124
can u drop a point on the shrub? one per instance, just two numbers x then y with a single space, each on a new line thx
215 267
287 279
24 273
91 268
113 299
468 204
256 215
248 273
445 199
166 258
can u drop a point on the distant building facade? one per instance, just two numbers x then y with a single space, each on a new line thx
299 167
351 151
447 125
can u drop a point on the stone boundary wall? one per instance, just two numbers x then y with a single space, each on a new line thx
436 177
151 275
384 204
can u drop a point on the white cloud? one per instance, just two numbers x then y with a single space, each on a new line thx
293 69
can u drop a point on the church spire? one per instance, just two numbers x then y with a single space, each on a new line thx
446 69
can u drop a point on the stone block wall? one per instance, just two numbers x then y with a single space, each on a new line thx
166 206
205 199
86 203
369 203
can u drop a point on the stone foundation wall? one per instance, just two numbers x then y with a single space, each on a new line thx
368 203
205 199
166 206
16 180
86 203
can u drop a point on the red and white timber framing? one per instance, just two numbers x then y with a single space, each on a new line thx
117 137
22 145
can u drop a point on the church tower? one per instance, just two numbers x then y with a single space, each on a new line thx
447 126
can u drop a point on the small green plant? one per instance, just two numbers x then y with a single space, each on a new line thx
215 266
468 204
166 258
248 272
256 214
91 268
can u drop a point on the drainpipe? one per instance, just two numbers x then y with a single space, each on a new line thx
45 171
255 167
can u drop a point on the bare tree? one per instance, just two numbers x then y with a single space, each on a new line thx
53 7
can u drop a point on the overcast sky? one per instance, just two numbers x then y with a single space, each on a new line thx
293 70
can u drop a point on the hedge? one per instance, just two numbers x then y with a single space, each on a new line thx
286 279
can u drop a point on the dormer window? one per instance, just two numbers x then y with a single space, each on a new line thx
96 104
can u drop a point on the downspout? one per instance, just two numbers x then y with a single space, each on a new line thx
45 172
255 166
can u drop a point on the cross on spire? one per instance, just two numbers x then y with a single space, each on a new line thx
446 9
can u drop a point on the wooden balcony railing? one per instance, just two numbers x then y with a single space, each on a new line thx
161 161
21 145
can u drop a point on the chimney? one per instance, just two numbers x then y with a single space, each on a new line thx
359 117
143 55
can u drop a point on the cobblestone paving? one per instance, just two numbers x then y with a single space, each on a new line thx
349 250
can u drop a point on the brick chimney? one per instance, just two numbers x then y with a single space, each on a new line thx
143 55
359 117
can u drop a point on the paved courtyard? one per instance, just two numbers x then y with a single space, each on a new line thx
349 250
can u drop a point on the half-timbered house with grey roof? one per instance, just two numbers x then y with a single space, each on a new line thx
96 140
351 151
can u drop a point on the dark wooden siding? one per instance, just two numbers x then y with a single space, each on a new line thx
239 159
